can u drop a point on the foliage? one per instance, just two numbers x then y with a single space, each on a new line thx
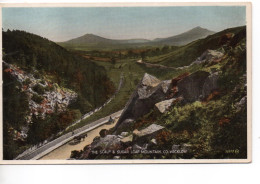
15 109
38 89
37 98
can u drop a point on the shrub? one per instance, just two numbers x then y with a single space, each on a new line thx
38 99
37 75
39 89
27 81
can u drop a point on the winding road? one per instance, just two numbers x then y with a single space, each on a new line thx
50 146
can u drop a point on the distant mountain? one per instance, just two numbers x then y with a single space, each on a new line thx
186 37
92 41
89 39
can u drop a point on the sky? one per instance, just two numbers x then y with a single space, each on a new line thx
62 24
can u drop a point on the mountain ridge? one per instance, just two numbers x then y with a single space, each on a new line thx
186 37
90 39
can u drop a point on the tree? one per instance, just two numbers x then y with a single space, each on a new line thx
113 60
165 49
143 55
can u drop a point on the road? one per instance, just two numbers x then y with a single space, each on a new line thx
50 146
64 152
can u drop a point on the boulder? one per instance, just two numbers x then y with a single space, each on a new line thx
163 106
124 134
191 87
108 142
239 105
165 85
97 138
209 56
103 132
127 139
153 141
121 137
147 134
210 84
126 125
149 80
137 147
150 91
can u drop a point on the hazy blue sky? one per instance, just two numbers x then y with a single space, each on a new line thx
61 24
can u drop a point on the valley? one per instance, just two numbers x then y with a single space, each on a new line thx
173 91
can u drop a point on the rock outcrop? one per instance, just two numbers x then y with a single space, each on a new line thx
126 125
210 84
108 142
146 134
191 86
197 86
209 56
163 106
150 91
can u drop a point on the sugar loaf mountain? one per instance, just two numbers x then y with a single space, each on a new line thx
186 94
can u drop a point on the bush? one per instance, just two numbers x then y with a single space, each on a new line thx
38 99
37 75
27 81
39 89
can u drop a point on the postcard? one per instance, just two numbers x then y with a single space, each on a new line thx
126 83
